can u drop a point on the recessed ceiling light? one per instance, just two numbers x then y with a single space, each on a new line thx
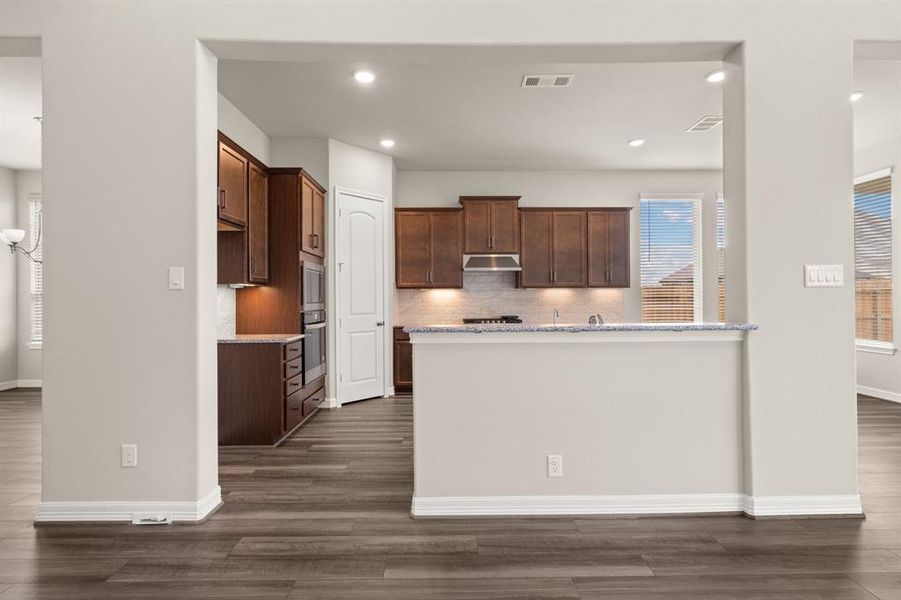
715 76
364 76
856 95
386 143
636 142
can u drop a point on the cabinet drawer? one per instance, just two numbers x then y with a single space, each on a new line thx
293 368
399 335
293 410
292 350
292 385
313 402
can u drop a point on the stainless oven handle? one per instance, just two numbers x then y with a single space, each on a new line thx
315 326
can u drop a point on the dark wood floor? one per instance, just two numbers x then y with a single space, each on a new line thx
327 516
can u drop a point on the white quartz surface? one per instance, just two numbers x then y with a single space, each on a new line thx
573 328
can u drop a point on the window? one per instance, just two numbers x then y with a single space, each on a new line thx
720 258
873 256
37 271
670 258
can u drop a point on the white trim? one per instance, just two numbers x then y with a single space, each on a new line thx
8 385
785 506
671 196
875 347
886 172
389 391
447 506
387 284
881 394
30 383
331 402
35 345
128 511
587 337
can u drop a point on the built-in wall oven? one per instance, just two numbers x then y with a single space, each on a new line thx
313 322
313 286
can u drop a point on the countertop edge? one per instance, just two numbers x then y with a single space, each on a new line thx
613 327
262 339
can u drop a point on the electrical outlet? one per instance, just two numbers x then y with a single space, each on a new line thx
555 465
129 455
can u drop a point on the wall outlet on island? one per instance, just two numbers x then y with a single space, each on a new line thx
129 455
555 465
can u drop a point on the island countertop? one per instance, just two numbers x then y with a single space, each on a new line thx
573 328
262 338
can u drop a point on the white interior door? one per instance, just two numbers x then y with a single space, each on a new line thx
361 298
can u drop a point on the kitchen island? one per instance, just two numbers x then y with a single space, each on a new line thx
630 418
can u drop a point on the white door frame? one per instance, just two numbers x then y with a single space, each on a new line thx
388 306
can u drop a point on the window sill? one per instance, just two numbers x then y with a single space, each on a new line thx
35 345
876 347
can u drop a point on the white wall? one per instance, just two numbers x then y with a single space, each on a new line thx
579 188
9 353
310 153
146 377
30 358
235 124
880 374
361 170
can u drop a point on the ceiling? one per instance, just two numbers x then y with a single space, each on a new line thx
476 116
472 115
20 102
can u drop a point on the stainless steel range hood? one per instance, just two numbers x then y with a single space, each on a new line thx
491 263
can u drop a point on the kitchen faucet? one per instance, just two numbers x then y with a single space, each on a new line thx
556 315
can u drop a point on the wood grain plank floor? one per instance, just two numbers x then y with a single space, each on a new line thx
326 516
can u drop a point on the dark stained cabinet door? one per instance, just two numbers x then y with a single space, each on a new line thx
536 247
569 267
477 226
412 260
608 248
258 226
307 217
318 222
505 226
446 249
232 205
403 362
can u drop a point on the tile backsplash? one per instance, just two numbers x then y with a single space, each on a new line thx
493 294
225 311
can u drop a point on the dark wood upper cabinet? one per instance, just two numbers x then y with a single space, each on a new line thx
232 202
312 200
428 248
490 224
535 254
568 251
608 248
258 225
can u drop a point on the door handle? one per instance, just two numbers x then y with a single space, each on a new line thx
222 193
380 324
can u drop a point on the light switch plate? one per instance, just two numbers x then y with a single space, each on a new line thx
176 278
824 275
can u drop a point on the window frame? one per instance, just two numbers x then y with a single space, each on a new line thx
697 200
864 344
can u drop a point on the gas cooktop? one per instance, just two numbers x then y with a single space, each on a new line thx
500 319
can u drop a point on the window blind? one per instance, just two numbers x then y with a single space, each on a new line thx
670 260
873 258
720 259
37 270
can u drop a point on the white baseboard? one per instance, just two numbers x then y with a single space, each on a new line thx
460 506
330 403
877 393
126 511
797 506
389 392
20 383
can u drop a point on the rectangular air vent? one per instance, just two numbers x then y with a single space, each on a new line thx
705 124
547 81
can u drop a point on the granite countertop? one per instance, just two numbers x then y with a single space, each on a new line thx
572 328
262 338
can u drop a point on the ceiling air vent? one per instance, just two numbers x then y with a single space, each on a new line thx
546 81
705 124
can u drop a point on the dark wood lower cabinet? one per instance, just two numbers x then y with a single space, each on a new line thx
261 394
403 362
